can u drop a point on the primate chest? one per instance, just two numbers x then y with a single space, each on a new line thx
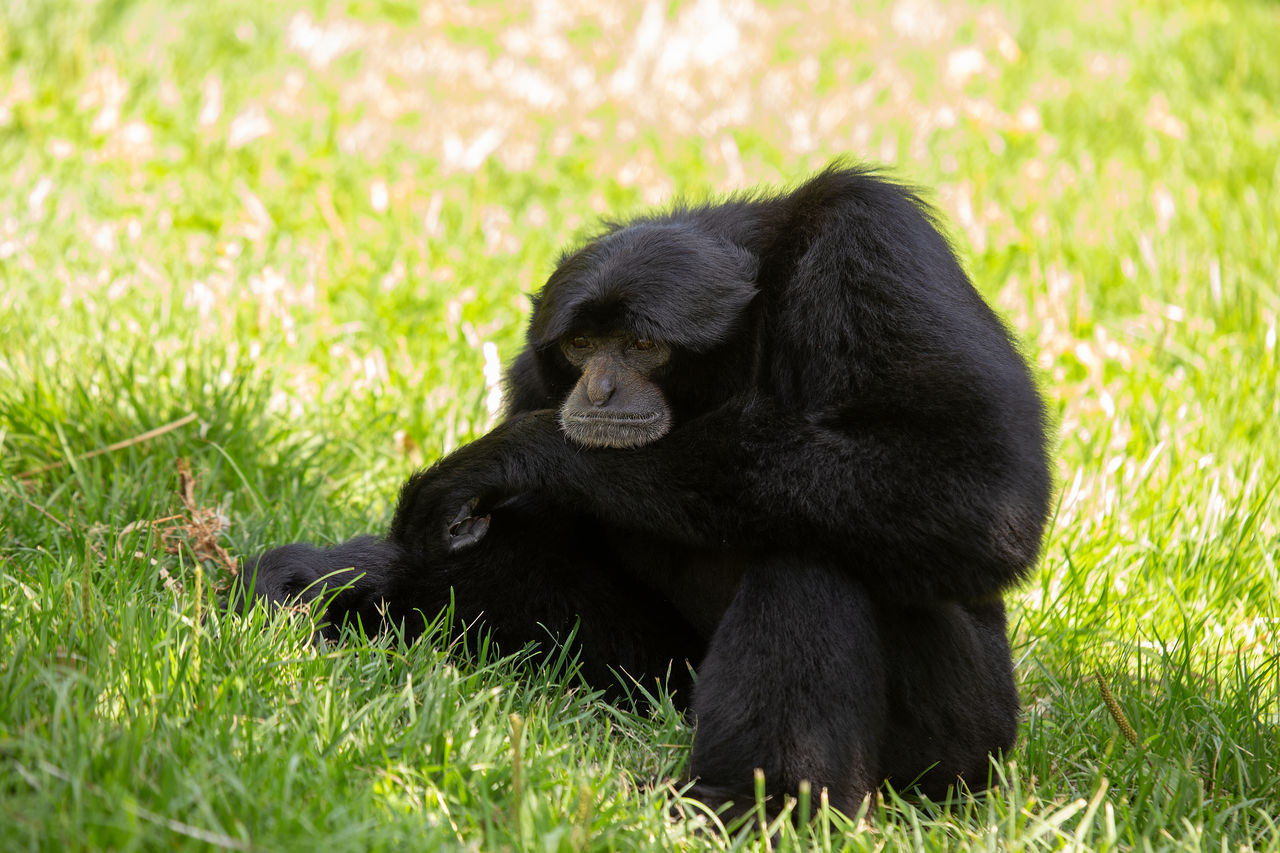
700 583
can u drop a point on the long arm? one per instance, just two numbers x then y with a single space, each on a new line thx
908 516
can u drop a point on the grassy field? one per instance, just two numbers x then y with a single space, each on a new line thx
259 261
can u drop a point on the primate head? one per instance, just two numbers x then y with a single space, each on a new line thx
617 313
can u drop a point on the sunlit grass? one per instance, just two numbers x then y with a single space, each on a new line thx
313 227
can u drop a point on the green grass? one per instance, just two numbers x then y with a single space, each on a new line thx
301 223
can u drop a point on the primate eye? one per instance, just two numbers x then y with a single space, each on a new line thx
642 343
580 342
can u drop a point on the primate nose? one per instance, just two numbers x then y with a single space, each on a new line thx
600 389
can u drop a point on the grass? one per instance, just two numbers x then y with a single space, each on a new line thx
312 225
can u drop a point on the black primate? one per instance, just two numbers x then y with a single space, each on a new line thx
781 438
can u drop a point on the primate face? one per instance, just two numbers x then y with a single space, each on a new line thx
616 402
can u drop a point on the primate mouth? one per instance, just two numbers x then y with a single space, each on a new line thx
615 429
620 418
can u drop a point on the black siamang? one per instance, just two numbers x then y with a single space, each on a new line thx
779 438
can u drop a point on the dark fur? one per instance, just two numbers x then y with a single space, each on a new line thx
856 469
